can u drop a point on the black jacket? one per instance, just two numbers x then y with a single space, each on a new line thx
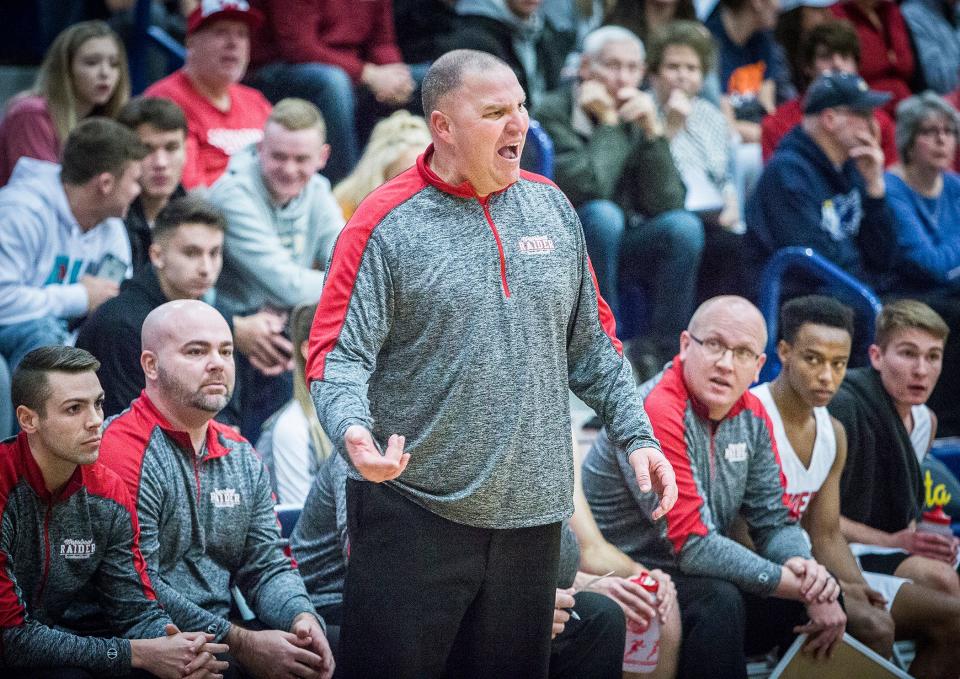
138 231
881 485
112 334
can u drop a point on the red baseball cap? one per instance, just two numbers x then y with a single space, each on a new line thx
211 10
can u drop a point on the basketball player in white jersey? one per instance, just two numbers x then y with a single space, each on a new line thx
814 349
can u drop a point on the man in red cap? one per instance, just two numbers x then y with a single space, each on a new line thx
222 115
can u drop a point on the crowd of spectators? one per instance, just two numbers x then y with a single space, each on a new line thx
693 140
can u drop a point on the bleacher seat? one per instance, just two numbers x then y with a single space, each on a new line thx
538 151
859 296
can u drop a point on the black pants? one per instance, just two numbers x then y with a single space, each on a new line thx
722 625
426 597
591 647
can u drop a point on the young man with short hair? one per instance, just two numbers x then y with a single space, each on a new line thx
881 406
282 221
63 250
53 492
814 348
162 128
204 502
186 257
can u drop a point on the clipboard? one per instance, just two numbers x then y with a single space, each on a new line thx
850 659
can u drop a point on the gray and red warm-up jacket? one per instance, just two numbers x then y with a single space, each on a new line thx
206 521
461 323
723 468
51 548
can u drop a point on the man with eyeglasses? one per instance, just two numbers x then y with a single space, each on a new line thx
824 187
606 133
734 601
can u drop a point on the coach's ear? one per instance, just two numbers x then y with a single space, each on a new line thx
760 361
148 361
28 419
440 125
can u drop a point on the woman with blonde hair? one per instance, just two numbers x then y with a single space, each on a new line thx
292 443
394 146
84 73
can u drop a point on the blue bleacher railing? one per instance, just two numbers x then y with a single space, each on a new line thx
865 303
542 147
144 35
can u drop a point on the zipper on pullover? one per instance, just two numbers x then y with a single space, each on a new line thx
46 552
196 475
496 236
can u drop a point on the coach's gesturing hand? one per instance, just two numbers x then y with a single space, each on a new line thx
367 459
654 472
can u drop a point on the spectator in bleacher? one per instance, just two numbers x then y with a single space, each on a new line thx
517 32
204 504
882 408
223 116
84 73
394 146
282 221
924 195
935 33
753 78
607 135
814 350
748 61
55 493
281 216
293 445
340 55
829 46
63 247
186 256
886 55
186 260
700 143
162 128
796 19
824 187
734 601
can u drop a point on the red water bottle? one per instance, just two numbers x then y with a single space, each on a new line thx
936 521
642 649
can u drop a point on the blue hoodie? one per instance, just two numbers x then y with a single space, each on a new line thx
803 199
43 250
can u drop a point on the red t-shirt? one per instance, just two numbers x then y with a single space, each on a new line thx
214 135
775 126
27 130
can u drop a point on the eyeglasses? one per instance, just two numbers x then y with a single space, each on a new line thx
715 349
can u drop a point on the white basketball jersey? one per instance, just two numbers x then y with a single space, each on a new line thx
802 482
920 436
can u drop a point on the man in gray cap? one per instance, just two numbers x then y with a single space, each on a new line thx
824 186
